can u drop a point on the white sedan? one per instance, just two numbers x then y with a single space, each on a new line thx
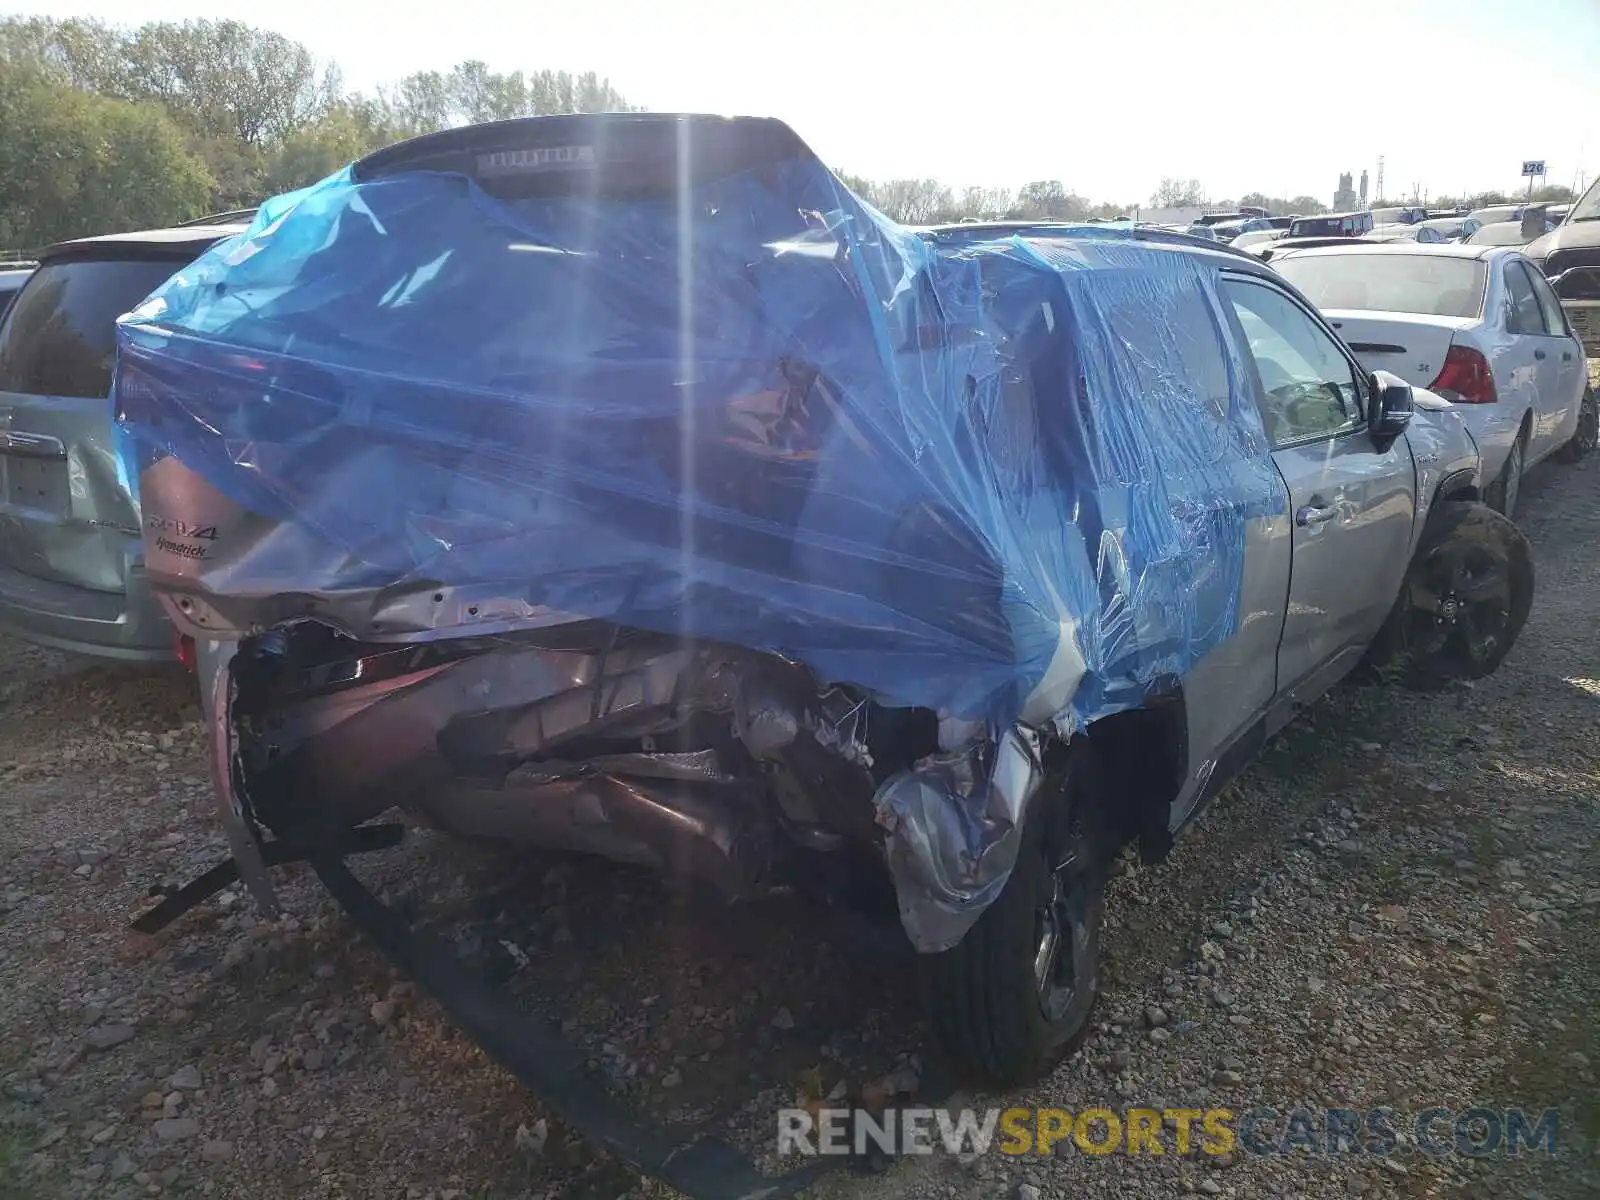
1424 234
1476 324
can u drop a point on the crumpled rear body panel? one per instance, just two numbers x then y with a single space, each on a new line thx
990 476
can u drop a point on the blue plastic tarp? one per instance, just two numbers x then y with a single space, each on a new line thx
968 472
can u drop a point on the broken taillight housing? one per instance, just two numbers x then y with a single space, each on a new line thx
186 652
1465 377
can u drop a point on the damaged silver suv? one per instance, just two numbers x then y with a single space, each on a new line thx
626 485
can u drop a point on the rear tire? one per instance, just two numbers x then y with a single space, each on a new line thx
1505 490
1465 598
1003 1004
1587 435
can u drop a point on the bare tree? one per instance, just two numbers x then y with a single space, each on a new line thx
1178 193
469 93
913 201
985 204
1049 200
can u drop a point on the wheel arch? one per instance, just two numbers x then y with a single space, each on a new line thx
1525 433
1458 485
1140 763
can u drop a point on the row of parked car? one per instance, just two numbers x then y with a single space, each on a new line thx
1426 296
1497 225
908 588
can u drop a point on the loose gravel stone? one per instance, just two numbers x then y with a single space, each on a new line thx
104 1037
176 1129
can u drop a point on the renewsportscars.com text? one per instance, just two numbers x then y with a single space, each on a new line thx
1472 1132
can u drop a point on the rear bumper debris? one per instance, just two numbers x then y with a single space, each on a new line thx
201 888
701 1166
698 1164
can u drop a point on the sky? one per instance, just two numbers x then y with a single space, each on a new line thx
1249 95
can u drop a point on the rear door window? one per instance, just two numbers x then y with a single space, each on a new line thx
1555 321
1525 315
59 338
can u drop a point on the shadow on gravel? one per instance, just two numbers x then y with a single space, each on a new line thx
693 1016
691 1011
61 688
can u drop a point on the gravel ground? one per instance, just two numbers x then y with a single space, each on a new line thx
1399 905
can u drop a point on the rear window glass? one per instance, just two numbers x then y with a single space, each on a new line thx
59 338
1158 331
1431 285
1501 233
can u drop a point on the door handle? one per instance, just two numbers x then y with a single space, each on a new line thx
31 445
1315 514
1539 354
1566 356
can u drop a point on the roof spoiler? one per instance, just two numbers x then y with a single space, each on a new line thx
612 154
237 216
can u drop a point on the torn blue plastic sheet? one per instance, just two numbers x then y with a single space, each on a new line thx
989 474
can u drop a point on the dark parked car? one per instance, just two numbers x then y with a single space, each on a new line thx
1350 224
70 554
1570 258
906 568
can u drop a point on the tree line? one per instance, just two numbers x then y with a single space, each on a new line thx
929 202
105 128
1554 193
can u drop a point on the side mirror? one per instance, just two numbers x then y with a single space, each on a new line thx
1392 408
